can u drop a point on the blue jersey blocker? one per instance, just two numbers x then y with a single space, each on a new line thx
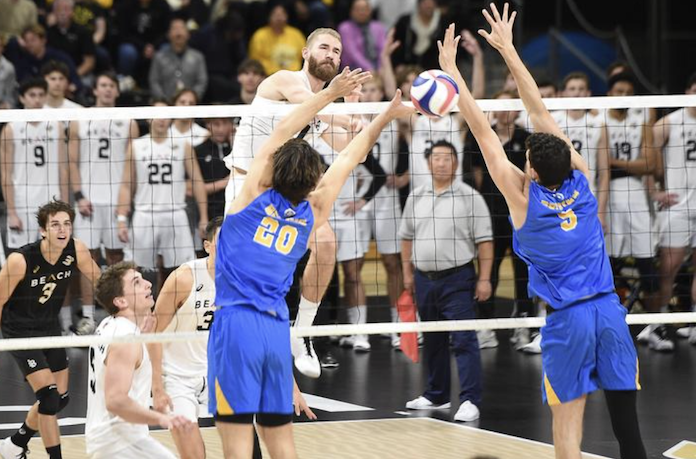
249 358
585 344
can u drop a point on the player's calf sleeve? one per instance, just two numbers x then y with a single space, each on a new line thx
624 421
49 400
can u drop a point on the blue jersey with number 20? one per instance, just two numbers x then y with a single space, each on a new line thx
257 253
563 243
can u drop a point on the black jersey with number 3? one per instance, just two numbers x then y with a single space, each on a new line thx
34 307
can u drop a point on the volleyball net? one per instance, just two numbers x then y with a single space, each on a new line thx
641 152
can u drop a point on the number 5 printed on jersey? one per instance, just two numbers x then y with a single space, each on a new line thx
267 233
570 220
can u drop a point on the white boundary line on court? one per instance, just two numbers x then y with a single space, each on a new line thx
209 111
53 342
498 434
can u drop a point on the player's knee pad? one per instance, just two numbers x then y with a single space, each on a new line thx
247 418
64 400
49 400
273 419
649 277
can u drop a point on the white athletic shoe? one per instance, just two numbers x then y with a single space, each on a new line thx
692 336
534 347
487 339
684 332
467 412
347 341
422 403
658 340
644 336
395 341
520 338
361 344
9 450
306 360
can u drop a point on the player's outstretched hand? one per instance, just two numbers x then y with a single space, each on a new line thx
397 109
448 51
470 44
300 404
175 422
347 81
500 35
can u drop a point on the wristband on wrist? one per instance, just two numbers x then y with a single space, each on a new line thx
121 219
78 196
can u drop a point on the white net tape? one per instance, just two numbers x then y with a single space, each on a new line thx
211 111
52 342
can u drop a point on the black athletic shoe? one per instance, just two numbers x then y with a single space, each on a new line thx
328 360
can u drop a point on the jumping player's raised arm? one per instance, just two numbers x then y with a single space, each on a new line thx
323 198
508 178
261 170
500 37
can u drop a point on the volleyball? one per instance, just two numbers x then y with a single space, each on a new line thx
434 93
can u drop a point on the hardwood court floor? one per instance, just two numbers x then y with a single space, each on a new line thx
380 438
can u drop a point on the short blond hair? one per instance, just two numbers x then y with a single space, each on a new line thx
322 31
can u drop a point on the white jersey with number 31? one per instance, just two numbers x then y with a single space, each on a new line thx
190 358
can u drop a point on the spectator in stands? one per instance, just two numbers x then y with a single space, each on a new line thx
389 11
223 46
196 13
309 15
142 26
56 75
444 226
278 46
362 37
210 156
8 79
17 15
91 15
177 66
418 33
250 74
29 57
71 38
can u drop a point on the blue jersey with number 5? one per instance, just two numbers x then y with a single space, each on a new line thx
257 253
563 243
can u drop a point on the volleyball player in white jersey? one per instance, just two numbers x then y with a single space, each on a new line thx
32 154
380 217
186 129
57 76
322 56
631 231
180 369
675 135
120 375
587 132
97 151
155 172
